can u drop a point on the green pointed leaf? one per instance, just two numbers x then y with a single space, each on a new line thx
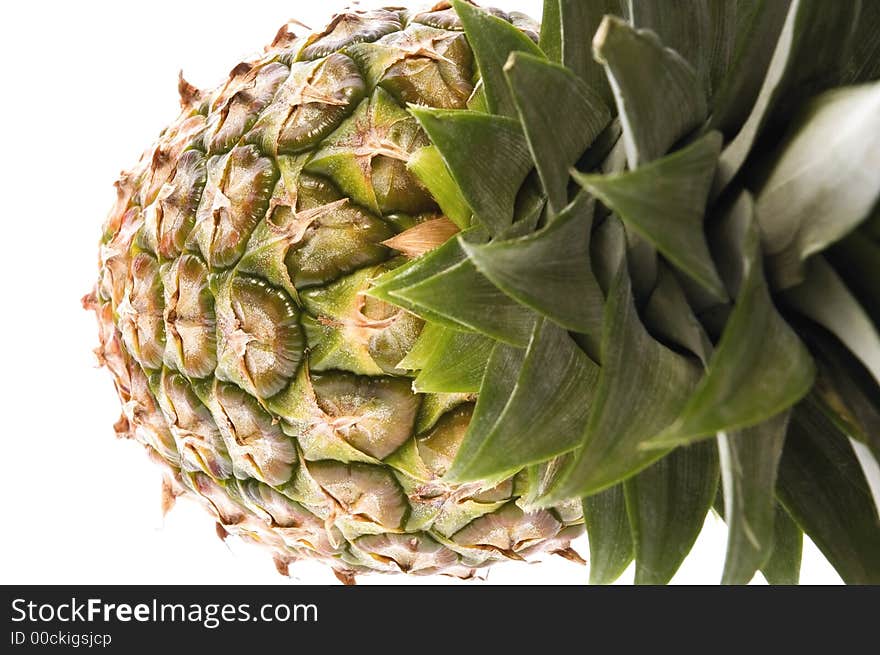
849 389
758 26
822 180
667 504
595 158
538 477
670 317
456 362
838 513
550 40
477 101
492 39
823 40
463 296
863 63
549 270
579 22
642 387
607 251
641 256
870 462
448 254
533 405
749 460
760 366
850 396
530 205
825 299
783 567
428 166
665 202
607 525
857 261
422 349
649 81
418 270
558 132
701 31
487 156
807 59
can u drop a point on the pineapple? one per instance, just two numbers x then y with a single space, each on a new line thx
435 288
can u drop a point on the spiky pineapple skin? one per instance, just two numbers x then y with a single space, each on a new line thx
231 312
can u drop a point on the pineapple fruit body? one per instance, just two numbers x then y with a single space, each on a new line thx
233 316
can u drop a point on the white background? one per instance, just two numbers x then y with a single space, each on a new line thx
87 86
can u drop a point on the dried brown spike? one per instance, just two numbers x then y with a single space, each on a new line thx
282 38
571 555
122 427
282 564
423 237
221 531
89 301
346 577
241 69
169 495
189 95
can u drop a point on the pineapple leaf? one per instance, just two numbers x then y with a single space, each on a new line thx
608 531
807 58
550 39
655 380
863 64
850 396
648 80
665 202
870 463
667 504
644 265
607 250
759 25
857 259
701 31
463 296
428 166
838 514
749 459
783 563
670 317
557 132
487 156
825 299
600 155
423 348
549 270
578 22
455 363
415 271
823 180
783 567
538 476
492 40
759 368
533 405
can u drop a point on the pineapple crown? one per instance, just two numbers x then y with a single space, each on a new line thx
666 274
